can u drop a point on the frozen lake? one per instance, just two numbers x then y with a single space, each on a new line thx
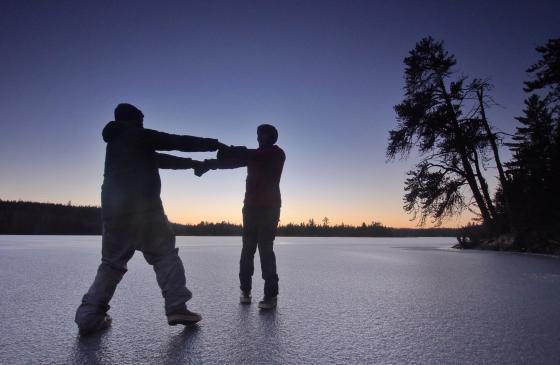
342 300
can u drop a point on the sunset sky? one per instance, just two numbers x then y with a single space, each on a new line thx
326 73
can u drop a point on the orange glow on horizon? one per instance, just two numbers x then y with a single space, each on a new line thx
395 221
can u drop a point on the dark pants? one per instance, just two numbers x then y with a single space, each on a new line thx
259 230
149 233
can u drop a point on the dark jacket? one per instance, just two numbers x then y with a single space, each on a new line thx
131 181
264 170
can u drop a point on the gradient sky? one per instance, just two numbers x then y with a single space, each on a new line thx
326 73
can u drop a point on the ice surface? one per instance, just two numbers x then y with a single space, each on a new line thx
342 300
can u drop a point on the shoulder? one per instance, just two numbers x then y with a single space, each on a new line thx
272 153
279 151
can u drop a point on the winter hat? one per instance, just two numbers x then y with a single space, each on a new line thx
128 113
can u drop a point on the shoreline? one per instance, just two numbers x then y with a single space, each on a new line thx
509 243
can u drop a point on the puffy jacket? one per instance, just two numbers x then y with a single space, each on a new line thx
264 170
131 183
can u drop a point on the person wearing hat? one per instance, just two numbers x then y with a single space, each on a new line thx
134 219
261 208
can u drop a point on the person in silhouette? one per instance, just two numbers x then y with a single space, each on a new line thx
261 209
134 219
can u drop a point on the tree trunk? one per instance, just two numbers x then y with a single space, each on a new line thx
484 187
502 176
469 173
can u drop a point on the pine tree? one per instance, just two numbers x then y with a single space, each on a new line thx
535 164
443 116
531 167
547 71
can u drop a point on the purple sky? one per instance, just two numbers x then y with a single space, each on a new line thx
326 73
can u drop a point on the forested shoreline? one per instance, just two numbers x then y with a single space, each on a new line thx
444 118
32 218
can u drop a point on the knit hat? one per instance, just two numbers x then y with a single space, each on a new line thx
128 113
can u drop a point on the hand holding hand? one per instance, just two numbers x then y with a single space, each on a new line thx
203 167
231 152
222 146
200 169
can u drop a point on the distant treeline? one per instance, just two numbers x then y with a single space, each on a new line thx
18 217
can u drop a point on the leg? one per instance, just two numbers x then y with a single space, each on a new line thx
266 234
250 239
157 243
116 252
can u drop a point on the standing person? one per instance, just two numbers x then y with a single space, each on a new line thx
133 216
261 210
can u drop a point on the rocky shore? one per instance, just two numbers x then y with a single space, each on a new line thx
533 242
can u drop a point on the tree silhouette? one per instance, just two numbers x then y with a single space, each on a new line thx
534 167
547 71
547 77
531 166
444 117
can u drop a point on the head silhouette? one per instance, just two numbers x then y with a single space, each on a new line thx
267 135
128 113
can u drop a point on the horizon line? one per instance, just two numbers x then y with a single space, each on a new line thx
303 222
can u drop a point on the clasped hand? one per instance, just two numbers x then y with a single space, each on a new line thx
202 167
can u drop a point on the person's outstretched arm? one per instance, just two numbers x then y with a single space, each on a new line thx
231 157
165 161
161 141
